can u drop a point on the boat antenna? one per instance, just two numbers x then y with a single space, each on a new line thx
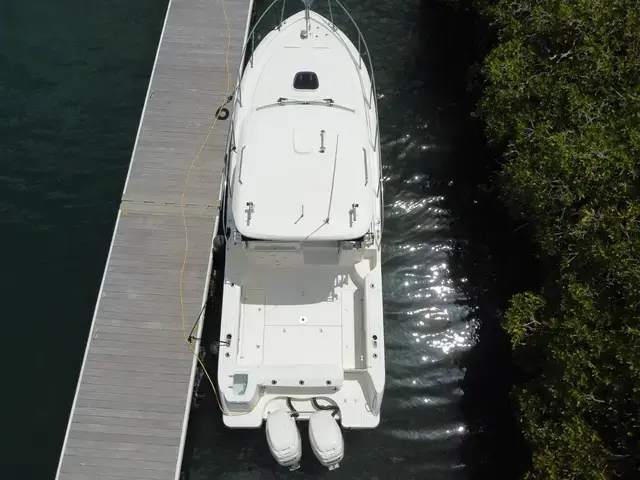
333 180
307 7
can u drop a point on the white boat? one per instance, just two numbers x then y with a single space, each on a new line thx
302 321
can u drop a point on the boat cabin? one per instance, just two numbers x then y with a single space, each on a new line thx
302 176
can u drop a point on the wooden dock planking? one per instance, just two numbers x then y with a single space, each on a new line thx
130 410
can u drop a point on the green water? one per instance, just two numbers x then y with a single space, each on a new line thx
73 76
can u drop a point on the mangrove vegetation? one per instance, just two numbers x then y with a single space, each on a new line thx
561 102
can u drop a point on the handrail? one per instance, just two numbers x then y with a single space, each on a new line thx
366 167
240 168
318 103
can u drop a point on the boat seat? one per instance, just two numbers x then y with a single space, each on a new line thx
309 375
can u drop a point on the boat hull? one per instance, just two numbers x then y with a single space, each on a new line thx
302 317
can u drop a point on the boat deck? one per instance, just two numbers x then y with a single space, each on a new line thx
131 406
317 315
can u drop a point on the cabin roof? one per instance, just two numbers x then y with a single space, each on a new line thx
287 187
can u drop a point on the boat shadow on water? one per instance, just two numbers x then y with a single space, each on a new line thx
492 256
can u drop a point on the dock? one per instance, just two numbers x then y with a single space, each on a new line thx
131 407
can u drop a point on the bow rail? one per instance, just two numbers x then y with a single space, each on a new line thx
361 45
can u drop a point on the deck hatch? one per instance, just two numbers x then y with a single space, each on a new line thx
306 81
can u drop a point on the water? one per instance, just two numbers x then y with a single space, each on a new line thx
73 76
72 84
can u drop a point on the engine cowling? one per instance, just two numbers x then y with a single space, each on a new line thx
283 438
326 439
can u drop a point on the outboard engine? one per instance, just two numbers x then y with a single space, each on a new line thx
283 438
326 439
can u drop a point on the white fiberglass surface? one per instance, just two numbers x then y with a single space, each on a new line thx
304 174
305 164
298 167
301 317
